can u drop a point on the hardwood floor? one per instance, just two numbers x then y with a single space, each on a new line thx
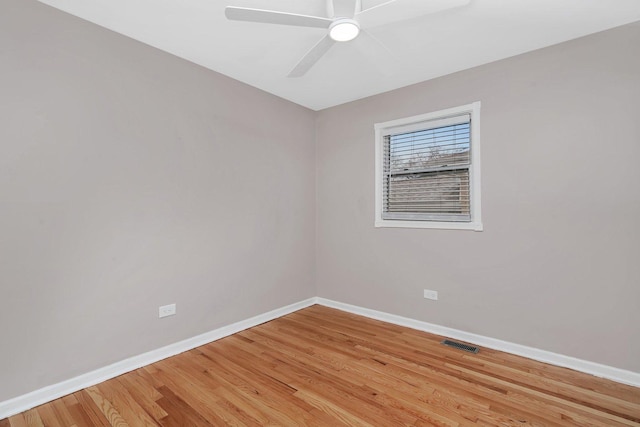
324 367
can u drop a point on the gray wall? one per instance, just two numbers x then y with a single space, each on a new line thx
130 179
557 266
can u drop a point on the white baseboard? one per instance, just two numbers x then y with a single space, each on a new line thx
55 391
597 369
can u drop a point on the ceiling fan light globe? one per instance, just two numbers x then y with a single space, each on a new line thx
343 30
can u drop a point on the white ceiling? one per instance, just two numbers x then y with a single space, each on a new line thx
420 49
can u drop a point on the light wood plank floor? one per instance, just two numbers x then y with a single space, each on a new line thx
323 367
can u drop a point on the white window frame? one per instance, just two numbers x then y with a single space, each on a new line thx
382 129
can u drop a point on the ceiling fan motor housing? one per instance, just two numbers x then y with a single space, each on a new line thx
344 29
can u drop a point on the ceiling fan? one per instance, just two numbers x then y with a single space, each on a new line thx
344 22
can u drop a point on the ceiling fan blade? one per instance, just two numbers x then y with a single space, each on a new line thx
381 58
275 17
400 10
312 57
345 8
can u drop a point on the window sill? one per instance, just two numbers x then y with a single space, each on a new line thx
385 223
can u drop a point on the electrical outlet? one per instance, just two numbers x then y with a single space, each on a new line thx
428 294
167 310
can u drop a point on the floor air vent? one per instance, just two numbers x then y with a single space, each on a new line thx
460 346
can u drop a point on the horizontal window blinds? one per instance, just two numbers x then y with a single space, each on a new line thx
426 171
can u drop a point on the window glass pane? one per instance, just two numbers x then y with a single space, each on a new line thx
443 146
426 174
445 192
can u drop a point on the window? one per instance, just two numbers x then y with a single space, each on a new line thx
428 170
